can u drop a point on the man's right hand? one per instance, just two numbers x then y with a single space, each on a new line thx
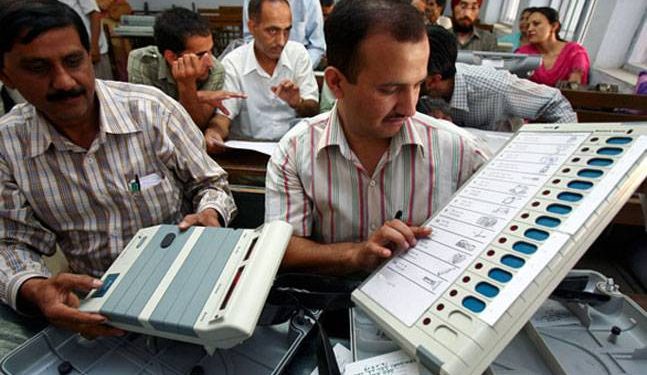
215 143
188 69
55 299
393 236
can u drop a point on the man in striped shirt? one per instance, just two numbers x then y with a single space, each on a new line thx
340 178
483 97
85 164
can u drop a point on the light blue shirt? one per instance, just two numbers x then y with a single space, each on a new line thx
307 27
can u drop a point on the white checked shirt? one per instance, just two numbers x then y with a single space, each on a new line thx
263 115
486 98
316 182
84 8
53 192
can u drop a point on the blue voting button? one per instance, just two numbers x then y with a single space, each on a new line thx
107 282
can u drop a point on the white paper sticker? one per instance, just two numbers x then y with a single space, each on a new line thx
413 281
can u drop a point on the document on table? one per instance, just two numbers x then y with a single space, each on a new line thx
395 363
411 283
266 148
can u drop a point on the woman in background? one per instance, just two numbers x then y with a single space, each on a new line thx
561 60
523 26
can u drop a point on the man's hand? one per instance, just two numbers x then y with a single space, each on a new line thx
215 143
187 69
215 98
207 218
288 91
394 235
56 300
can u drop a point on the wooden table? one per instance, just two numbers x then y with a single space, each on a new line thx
244 167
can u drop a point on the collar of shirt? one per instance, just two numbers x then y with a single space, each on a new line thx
334 136
163 70
110 122
461 90
251 63
476 33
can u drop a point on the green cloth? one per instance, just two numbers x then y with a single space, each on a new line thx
147 66
481 40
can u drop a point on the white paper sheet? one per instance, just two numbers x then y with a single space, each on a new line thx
395 363
412 282
266 148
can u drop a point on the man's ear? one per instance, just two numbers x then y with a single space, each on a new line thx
169 56
432 80
334 79
251 26
6 80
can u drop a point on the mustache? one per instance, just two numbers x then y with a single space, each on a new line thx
60 95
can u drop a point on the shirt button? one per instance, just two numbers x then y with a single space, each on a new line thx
373 227
372 183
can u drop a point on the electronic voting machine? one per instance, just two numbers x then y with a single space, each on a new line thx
204 286
504 242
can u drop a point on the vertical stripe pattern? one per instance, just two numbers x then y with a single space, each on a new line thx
423 166
53 192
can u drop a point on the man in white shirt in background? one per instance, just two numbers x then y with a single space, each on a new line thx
276 74
307 27
91 16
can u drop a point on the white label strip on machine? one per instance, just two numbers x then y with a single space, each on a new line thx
471 220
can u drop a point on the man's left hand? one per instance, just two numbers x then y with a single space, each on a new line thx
289 92
215 98
205 218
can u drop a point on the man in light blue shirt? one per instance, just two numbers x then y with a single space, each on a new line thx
307 27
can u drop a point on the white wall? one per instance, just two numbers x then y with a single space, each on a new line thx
156 5
613 25
490 12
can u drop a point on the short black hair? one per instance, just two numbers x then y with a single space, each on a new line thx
255 8
441 3
528 10
23 21
174 26
443 52
352 21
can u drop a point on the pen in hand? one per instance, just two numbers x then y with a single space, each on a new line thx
398 215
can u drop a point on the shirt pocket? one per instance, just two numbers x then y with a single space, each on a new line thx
159 202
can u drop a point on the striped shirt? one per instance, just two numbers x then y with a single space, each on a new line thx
54 192
316 183
486 98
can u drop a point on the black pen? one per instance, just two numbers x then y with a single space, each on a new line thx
398 215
